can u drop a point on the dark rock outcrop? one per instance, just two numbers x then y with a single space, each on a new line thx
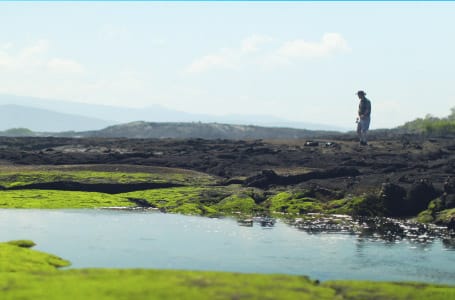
269 178
393 198
419 196
108 188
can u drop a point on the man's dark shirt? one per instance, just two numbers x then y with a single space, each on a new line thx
365 107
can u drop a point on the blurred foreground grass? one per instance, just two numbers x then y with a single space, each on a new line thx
30 274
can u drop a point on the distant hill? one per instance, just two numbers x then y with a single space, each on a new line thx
154 113
431 125
37 119
18 132
197 130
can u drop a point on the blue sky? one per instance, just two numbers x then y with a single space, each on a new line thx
300 61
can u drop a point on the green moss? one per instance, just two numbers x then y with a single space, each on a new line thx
168 199
339 206
103 284
189 209
365 205
286 202
29 274
237 204
20 178
434 213
425 216
14 258
59 199
360 290
445 216
196 200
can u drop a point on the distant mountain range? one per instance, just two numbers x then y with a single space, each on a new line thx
38 119
45 115
197 130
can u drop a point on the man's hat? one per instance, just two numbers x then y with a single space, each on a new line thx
361 93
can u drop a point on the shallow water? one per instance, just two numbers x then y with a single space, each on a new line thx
147 239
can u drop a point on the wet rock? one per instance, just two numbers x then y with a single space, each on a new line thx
108 188
419 196
393 198
311 144
140 202
245 222
332 145
268 178
263 180
265 221
448 201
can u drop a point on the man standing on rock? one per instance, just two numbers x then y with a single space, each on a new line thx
363 120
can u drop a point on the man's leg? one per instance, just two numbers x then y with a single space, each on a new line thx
364 136
365 125
359 130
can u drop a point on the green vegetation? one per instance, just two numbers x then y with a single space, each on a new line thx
59 199
19 178
432 126
436 214
17 258
29 274
445 216
17 132
199 195
361 290
237 204
185 200
293 203
194 200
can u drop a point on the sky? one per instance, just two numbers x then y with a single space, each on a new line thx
298 61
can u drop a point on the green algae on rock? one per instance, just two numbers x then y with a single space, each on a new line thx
18 178
60 199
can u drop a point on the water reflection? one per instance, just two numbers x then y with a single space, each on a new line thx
449 244
266 222
322 247
387 230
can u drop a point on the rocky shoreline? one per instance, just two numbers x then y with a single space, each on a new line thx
398 176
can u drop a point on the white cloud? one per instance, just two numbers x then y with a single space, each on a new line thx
65 66
6 46
252 43
38 48
249 53
330 43
225 59
229 58
35 58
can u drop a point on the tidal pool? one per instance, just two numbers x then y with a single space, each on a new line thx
148 239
